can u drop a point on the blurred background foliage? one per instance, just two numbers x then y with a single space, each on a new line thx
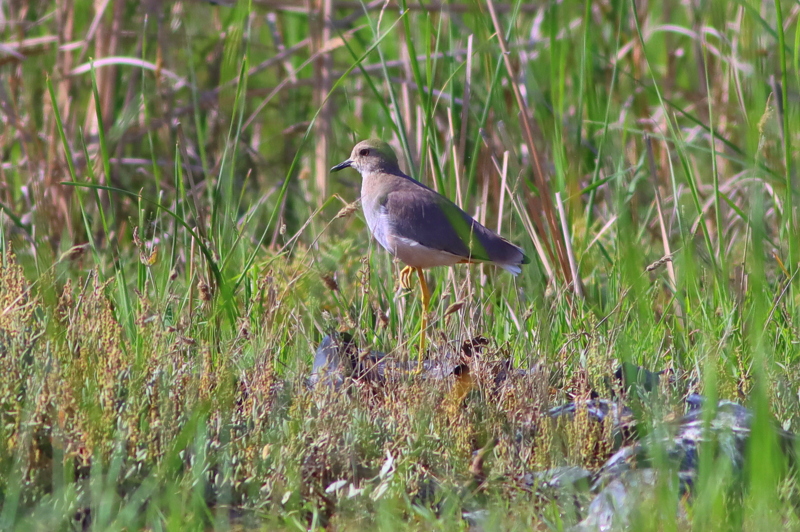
165 192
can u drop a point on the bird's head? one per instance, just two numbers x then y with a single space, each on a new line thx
371 155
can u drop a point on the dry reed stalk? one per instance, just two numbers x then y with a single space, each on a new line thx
107 45
484 202
573 266
92 31
405 91
545 202
523 214
456 160
503 187
50 192
662 224
277 39
462 137
323 65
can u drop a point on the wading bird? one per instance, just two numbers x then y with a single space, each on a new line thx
418 225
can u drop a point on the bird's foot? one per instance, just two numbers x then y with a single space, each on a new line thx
420 367
405 277
412 372
415 370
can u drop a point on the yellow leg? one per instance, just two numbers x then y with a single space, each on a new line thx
426 300
405 277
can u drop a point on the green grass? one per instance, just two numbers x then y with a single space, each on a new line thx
173 250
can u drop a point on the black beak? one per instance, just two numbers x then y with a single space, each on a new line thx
342 165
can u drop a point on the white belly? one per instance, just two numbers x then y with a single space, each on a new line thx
377 223
418 256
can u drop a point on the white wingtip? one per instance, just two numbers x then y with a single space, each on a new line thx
513 269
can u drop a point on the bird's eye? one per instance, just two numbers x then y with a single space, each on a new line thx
364 152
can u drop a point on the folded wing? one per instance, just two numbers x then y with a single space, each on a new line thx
422 215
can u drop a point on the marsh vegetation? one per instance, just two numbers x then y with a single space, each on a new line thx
174 250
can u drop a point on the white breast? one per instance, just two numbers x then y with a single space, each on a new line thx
377 222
